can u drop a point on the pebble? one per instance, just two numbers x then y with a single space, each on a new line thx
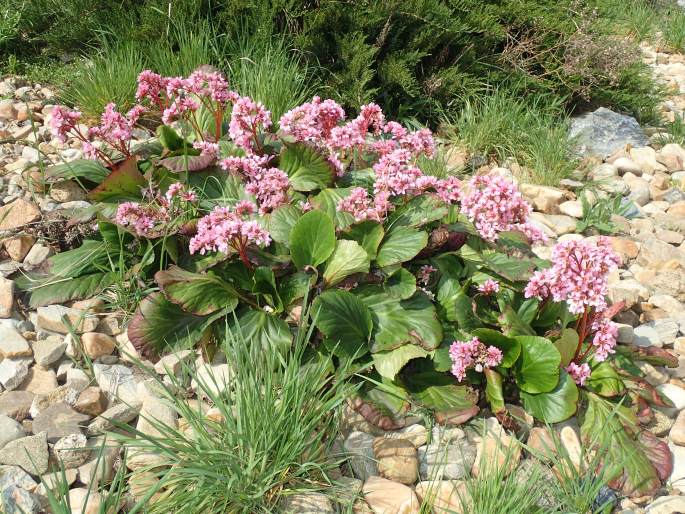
30 453
10 429
12 344
13 373
359 446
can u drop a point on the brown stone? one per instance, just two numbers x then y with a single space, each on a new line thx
541 443
397 459
18 247
382 495
625 248
91 401
18 214
496 449
97 345
59 420
446 496
677 209
16 404
39 381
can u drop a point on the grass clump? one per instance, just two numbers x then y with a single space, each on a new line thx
501 125
268 436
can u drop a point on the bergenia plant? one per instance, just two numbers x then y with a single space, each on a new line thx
428 283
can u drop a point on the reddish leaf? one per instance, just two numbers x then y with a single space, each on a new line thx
456 417
124 181
182 163
374 416
658 453
613 310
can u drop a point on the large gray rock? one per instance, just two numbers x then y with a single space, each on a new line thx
602 131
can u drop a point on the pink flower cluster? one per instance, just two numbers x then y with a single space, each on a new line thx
63 121
579 275
425 272
312 121
489 287
268 185
178 190
224 228
247 118
474 354
495 205
604 340
579 372
141 218
362 207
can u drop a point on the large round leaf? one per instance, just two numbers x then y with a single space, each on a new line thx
312 239
399 322
418 211
281 222
400 245
388 364
306 168
262 329
439 392
344 320
511 348
604 380
328 200
567 344
537 370
493 390
557 405
368 234
347 259
198 293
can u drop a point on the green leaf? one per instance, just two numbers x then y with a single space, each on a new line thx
555 406
604 421
344 320
401 245
347 259
398 322
604 380
60 289
512 324
401 284
328 200
293 287
537 370
264 287
511 348
123 183
417 212
169 138
261 329
312 239
463 309
159 324
281 222
388 364
198 293
567 344
493 390
439 392
368 234
306 167
87 169
511 268
388 403
217 188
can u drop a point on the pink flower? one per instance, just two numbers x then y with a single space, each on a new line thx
150 87
312 121
174 190
448 190
248 166
62 121
473 353
246 118
245 208
489 287
579 275
362 207
494 205
180 106
604 339
425 274
396 175
579 372
139 217
270 187
306 206
212 85
353 134
207 148
222 229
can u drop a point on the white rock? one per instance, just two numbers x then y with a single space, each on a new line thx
673 393
10 429
646 335
13 373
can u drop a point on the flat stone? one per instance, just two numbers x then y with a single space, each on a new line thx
18 214
116 381
666 328
12 373
654 254
18 247
67 191
97 345
59 420
121 413
15 500
60 394
14 475
12 344
496 449
677 478
573 208
10 429
359 446
647 336
30 453
211 378
155 411
397 460
52 480
603 131
677 434
50 318
72 451
16 404
446 461
541 444
544 199
415 434
173 363
444 495
385 496
84 501
645 158
100 466
40 381
666 505
37 255
674 393
48 351
91 401
6 297
307 503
